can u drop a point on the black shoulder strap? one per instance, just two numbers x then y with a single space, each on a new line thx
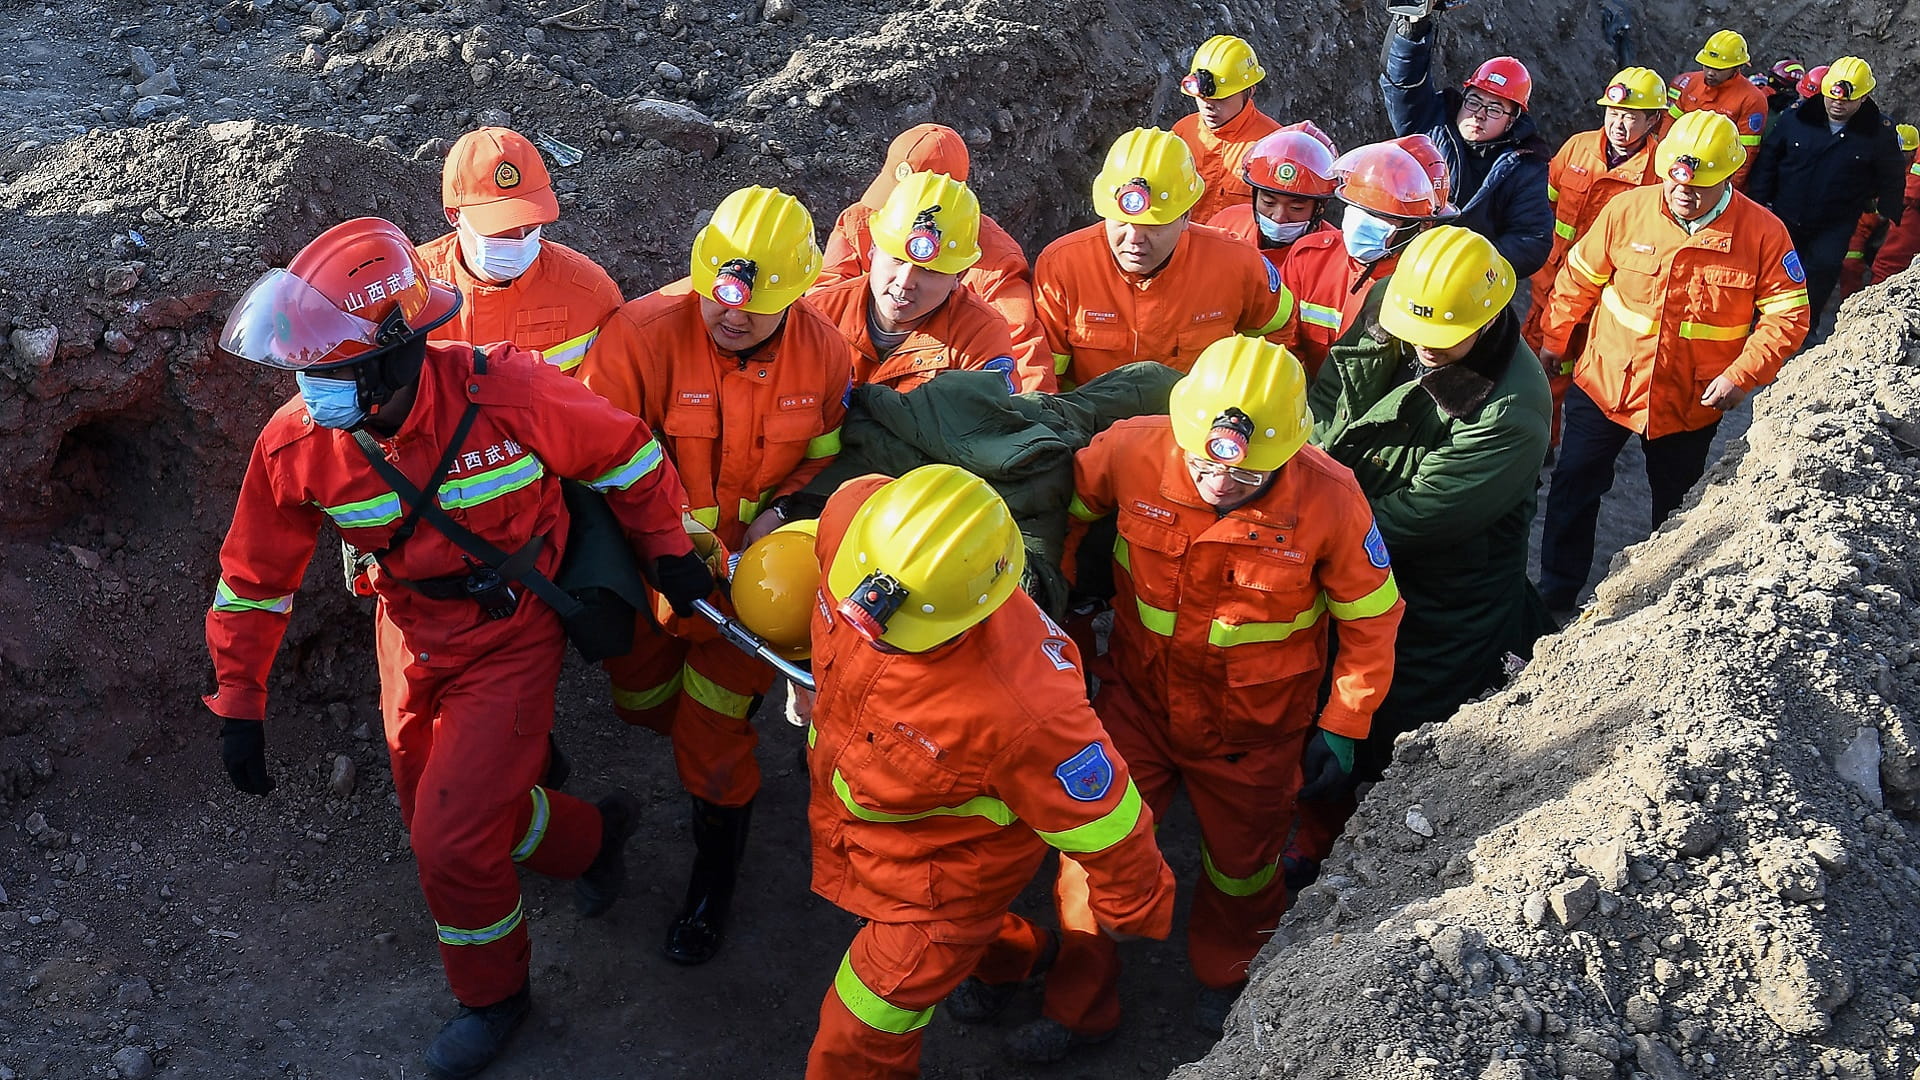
372 449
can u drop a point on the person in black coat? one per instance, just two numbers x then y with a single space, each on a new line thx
1828 160
1496 159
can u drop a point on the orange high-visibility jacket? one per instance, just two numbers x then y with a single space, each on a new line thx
1736 99
1218 155
940 779
534 427
1002 277
742 430
1579 184
1237 221
1098 317
1330 288
1671 312
555 308
963 334
1220 620
1903 239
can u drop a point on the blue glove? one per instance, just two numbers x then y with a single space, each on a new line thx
1327 767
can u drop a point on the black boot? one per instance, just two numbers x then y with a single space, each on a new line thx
606 877
474 1037
559 766
719 839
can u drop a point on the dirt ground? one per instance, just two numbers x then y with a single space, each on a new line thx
161 154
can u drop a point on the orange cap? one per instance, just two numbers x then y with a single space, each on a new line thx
495 178
921 148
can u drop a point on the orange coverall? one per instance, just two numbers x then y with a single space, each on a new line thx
940 781
742 430
963 334
468 700
1331 287
1579 184
1736 99
1218 155
555 308
1670 312
1001 278
1903 240
1098 317
1219 650
1237 221
1853 272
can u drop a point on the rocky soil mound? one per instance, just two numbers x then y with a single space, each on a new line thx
1681 844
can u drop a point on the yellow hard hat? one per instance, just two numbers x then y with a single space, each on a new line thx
925 558
930 220
758 253
1725 49
1701 149
1449 282
1148 179
1635 88
773 589
1222 67
1848 79
1909 137
1244 404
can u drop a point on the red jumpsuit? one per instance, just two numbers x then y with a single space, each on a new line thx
742 430
963 334
940 781
1330 286
1903 240
1219 650
468 701
555 308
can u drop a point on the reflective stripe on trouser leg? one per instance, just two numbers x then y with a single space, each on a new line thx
885 990
1245 808
713 738
568 836
645 683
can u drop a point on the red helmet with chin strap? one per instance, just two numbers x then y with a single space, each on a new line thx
1290 162
356 289
1504 78
1428 155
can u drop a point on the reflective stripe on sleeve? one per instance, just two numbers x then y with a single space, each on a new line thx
1225 635
1374 603
1553 193
824 445
1749 140
1281 312
707 515
1061 361
536 827
1158 620
567 355
1233 886
623 476
714 696
469 491
1563 230
983 806
1104 831
225 599
486 935
1320 315
379 510
1611 303
1786 301
1580 267
873 1010
1081 510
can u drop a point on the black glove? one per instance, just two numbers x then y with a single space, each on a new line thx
243 750
682 579
1327 767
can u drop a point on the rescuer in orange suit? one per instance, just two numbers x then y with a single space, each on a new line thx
1590 169
951 747
1145 283
1903 238
1390 198
1696 297
746 388
468 659
1225 123
516 285
1237 542
911 317
1291 173
1002 277
1718 87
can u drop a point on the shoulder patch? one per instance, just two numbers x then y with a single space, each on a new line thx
1376 546
1273 277
1790 262
1087 775
1757 121
1004 365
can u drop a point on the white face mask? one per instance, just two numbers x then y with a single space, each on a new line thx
1365 236
497 258
1280 232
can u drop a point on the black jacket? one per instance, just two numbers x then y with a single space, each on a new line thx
1812 177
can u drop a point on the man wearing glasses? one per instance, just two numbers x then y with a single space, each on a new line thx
1496 159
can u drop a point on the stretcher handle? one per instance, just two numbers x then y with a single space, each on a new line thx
749 642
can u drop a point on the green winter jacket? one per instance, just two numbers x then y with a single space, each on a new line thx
1451 463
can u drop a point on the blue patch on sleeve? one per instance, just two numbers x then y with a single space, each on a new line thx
1003 365
1087 775
1791 263
1757 121
1273 277
1376 546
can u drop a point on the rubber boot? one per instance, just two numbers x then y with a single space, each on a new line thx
719 840
474 1037
604 879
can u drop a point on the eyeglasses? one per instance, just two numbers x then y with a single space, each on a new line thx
1474 105
1210 469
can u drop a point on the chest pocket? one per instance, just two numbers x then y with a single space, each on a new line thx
1099 336
692 421
539 328
1574 188
1196 336
1642 264
1150 554
1723 291
1275 629
495 496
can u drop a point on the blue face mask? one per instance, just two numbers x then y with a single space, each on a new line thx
1280 232
333 403
1365 236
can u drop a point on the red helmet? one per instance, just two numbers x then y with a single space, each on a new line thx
1505 78
357 288
1292 163
1810 84
1786 73
1313 129
1430 159
1383 178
